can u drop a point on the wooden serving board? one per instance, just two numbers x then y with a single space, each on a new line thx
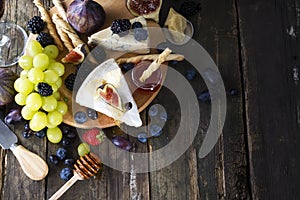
114 10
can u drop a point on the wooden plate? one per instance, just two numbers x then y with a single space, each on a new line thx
114 10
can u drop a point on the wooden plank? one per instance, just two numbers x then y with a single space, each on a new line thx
13 174
269 49
223 173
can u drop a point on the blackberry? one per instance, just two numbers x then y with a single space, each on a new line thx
140 34
45 39
137 25
120 26
69 81
189 8
35 25
44 89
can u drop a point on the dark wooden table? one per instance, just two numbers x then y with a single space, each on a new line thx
256 48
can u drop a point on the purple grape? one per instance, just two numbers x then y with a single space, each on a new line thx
122 143
14 115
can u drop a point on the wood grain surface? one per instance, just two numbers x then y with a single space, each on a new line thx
256 48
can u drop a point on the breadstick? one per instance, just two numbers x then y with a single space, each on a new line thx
60 8
136 59
66 27
51 27
63 36
155 64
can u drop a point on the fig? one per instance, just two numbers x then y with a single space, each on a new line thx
75 56
110 95
7 92
147 8
86 16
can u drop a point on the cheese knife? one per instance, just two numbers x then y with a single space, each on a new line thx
32 164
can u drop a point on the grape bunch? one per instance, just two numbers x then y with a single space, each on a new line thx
37 89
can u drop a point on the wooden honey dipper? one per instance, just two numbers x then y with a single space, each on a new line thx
84 168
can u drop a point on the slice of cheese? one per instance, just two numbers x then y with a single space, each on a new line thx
128 43
108 72
177 24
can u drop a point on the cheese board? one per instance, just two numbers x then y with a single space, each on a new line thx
114 10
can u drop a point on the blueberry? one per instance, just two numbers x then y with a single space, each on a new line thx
80 117
136 25
92 114
69 161
66 141
142 137
61 153
66 174
71 135
41 133
155 130
173 62
128 105
26 126
190 74
153 110
140 34
163 116
162 46
204 96
27 134
212 76
53 159
65 129
233 92
127 66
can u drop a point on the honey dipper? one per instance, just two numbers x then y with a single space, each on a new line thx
84 168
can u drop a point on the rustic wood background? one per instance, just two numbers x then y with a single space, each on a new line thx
257 155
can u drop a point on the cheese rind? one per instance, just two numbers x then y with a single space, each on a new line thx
108 72
128 43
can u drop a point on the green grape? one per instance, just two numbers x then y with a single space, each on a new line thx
54 87
27 113
56 95
83 149
20 99
51 125
51 51
62 107
54 135
24 73
49 103
36 75
58 83
25 62
41 61
23 85
38 121
55 118
33 48
50 76
34 101
58 67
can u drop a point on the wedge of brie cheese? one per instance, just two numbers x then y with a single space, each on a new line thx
127 43
88 95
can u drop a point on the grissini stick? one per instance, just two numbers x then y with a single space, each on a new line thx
155 64
136 59
51 27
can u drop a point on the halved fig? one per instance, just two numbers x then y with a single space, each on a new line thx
75 56
110 95
146 8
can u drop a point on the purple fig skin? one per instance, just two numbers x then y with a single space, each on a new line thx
7 91
86 16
